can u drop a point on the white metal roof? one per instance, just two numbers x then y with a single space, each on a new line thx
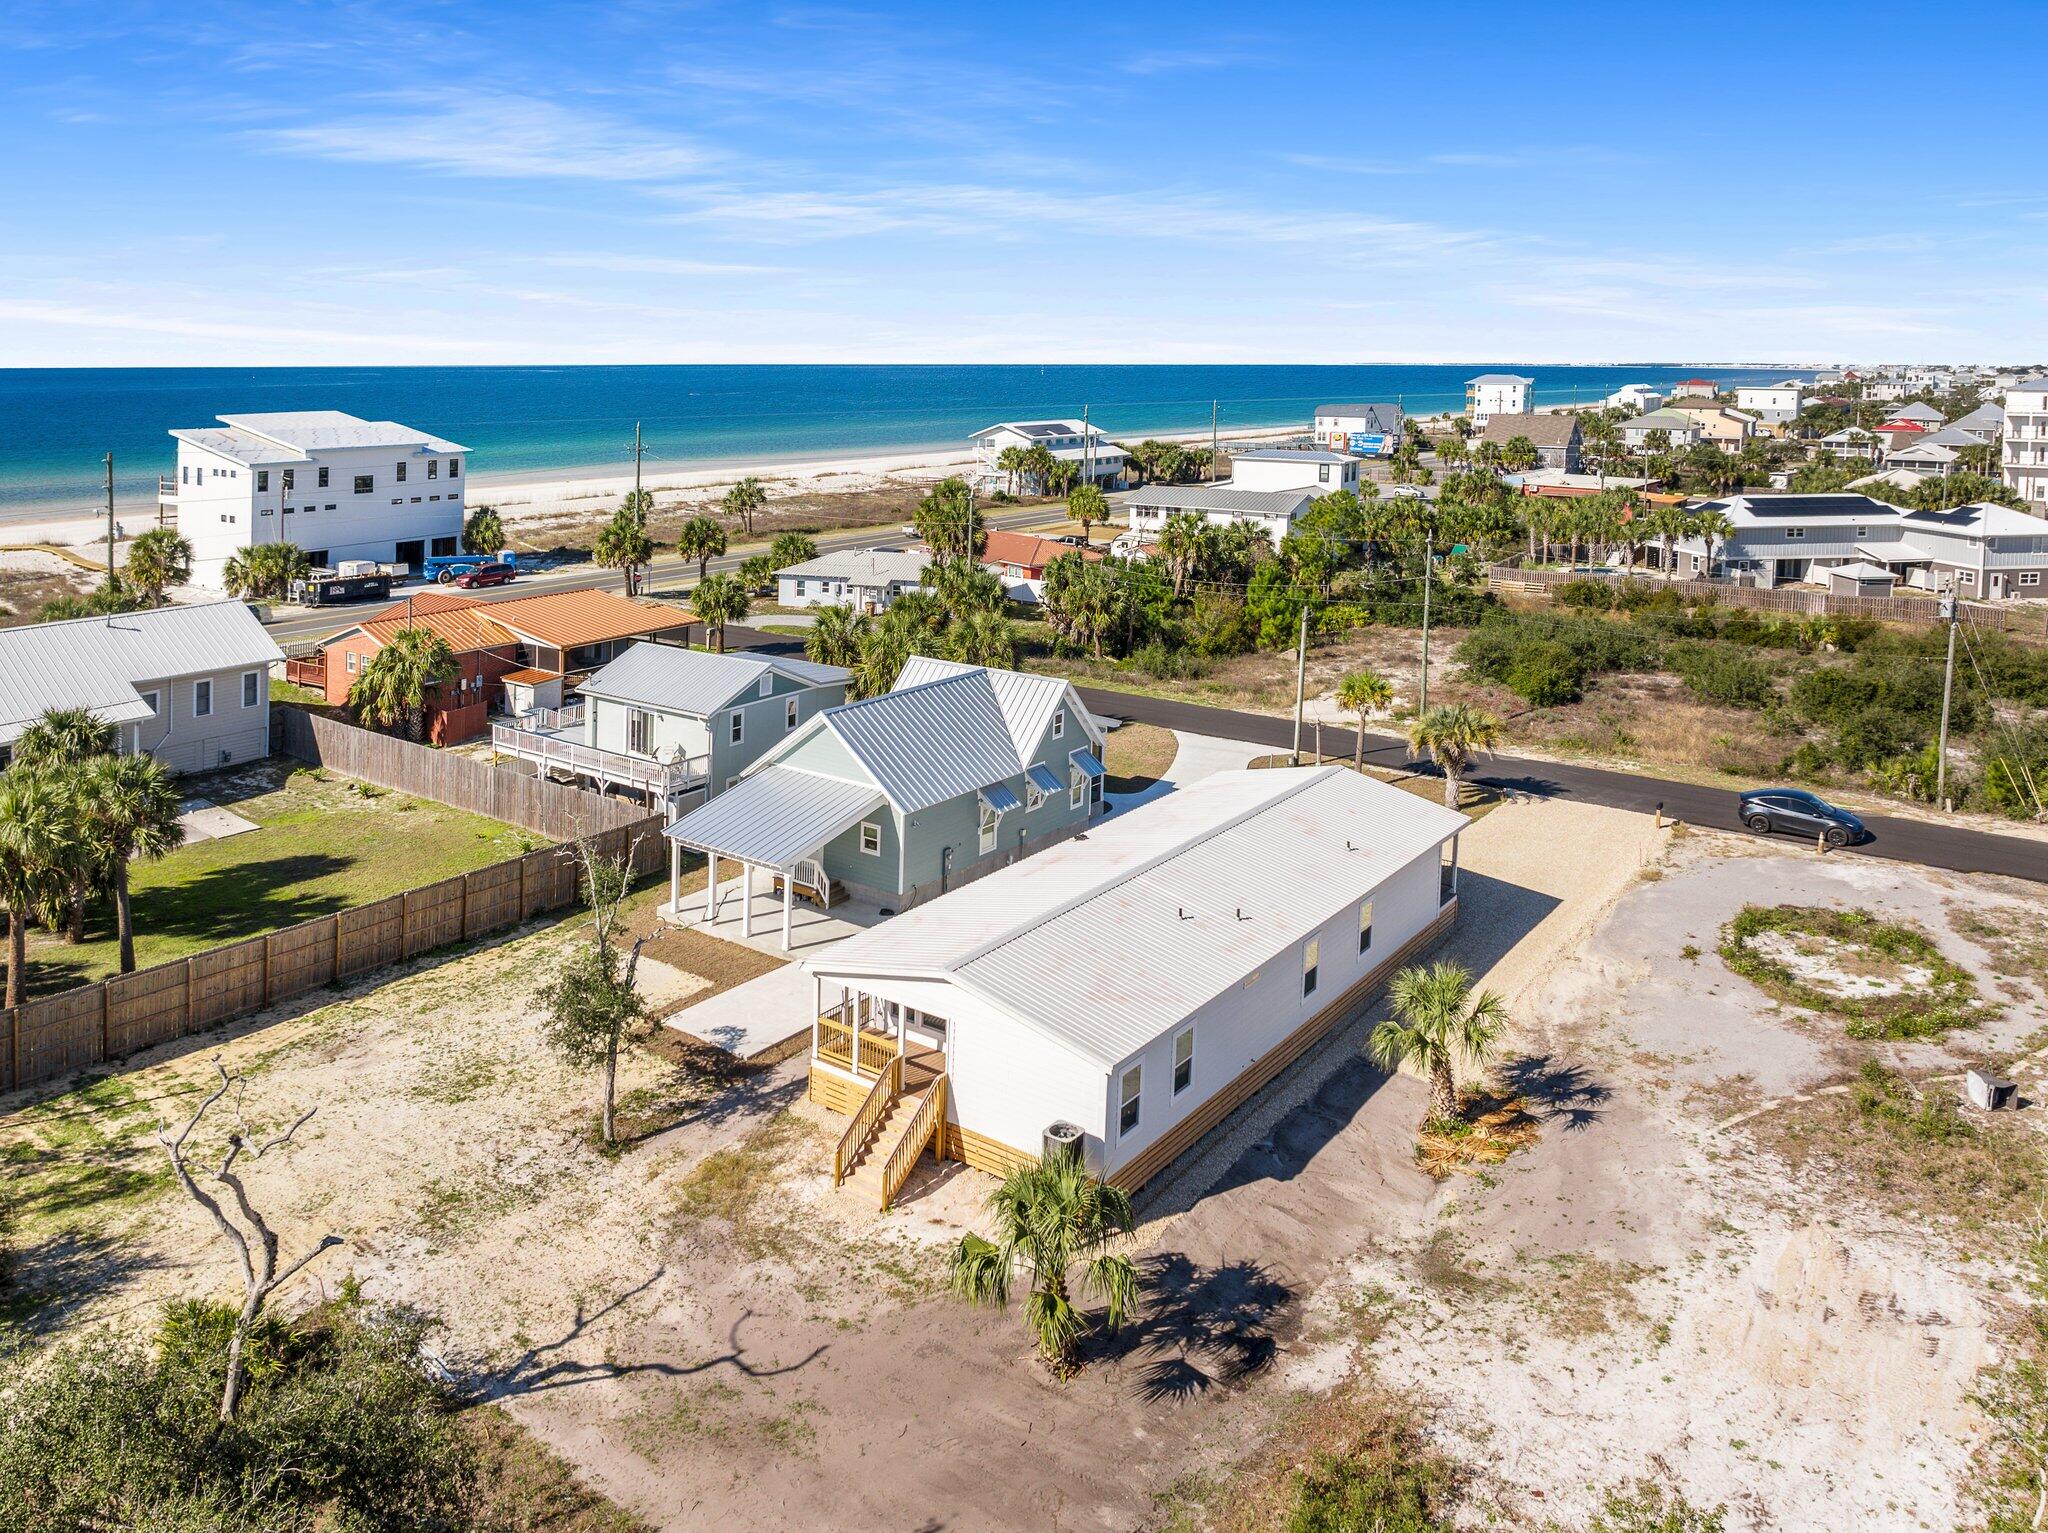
242 446
694 681
930 742
324 430
1220 497
775 816
1858 570
1105 942
1027 701
96 662
868 567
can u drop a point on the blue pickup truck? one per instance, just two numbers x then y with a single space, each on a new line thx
443 568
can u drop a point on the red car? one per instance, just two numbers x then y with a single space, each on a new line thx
486 575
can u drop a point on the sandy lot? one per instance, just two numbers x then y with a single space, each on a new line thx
719 1339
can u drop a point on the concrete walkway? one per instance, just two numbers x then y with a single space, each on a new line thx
1199 756
753 1018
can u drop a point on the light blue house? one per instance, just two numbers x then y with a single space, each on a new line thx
957 771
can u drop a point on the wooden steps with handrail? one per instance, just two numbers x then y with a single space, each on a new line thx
908 1125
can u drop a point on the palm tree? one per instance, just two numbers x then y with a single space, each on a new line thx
984 638
835 636
134 809
1519 453
1451 735
484 532
1010 464
1666 524
884 650
58 743
1713 527
1088 505
1360 693
1038 465
944 518
268 569
1050 1218
1437 1018
395 684
35 839
624 546
964 586
720 599
1181 539
743 501
701 539
157 559
790 548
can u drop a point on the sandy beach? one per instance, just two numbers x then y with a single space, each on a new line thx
534 503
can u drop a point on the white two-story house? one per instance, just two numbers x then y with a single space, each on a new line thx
1492 394
336 486
1094 456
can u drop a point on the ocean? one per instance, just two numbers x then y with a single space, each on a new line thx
57 424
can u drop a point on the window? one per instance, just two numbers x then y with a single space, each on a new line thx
1127 1097
151 699
262 478
990 821
323 483
1365 926
202 699
289 476
1033 797
871 837
738 727
454 468
767 684
1322 473
365 483
1059 723
1077 787
2030 577
789 711
433 468
442 547
1183 1061
1310 955
639 731
351 662
184 474
399 470
1795 532
251 689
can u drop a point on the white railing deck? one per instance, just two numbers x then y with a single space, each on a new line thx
552 751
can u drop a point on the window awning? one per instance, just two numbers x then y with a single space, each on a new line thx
998 797
1044 778
1086 761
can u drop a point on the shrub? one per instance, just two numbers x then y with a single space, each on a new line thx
1587 595
1720 675
1639 596
1946 999
1169 662
1647 1507
2015 769
1390 1481
1835 695
1493 649
1546 673
1218 624
341 1427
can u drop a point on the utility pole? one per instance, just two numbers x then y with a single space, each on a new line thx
1212 441
639 507
1950 611
110 518
1300 684
1087 450
1428 580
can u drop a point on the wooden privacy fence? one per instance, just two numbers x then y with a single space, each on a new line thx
558 812
1516 581
46 1038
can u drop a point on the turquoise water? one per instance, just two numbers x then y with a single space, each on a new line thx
56 425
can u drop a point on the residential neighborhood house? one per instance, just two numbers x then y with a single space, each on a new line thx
1095 457
1265 907
1369 431
1775 404
1492 394
2023 459
1679 429
1727 429
893 800
1556 437
334 485
1020 558
189 685
867 580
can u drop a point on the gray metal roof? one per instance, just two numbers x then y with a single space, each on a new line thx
871 567
1044 778
693 681
96 663
1104 943
999 797
1220 497
930 742
776 816
1292 455
1381 418
1916 411
1027 701
1500 378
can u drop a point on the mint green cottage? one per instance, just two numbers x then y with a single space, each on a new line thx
955 772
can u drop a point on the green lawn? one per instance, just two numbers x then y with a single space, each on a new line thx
322 843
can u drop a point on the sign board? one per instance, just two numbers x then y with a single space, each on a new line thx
1368 443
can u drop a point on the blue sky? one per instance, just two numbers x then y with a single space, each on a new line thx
647 182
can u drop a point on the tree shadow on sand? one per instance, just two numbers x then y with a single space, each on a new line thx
1199 1327
1554 1090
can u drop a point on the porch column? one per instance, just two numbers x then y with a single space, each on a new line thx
746 899
675 878
788 904
817 1012
902 1015
711 888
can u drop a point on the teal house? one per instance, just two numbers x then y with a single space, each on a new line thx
955 772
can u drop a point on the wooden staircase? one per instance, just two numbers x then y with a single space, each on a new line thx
895 1127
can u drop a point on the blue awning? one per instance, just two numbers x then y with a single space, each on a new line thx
999 798
1044 778
1086 761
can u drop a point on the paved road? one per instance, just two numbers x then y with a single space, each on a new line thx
290 625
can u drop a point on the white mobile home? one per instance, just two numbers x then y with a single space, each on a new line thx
1137 983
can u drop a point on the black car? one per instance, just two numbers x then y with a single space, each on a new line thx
1800 813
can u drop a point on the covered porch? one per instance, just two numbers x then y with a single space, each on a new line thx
775 822
882 1066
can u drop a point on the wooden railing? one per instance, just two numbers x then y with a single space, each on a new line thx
852 1048
549 750
880 1098
929 1119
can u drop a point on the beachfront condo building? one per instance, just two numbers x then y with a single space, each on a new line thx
2023 461
338 487
1492 394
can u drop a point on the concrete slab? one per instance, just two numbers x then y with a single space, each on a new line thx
811 930
1199 756
753 1018
205 820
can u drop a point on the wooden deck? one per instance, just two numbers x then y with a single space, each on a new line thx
839 1043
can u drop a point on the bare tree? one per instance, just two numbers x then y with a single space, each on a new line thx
591 1003
254 1241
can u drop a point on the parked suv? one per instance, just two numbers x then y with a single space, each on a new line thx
1800 813
486 575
